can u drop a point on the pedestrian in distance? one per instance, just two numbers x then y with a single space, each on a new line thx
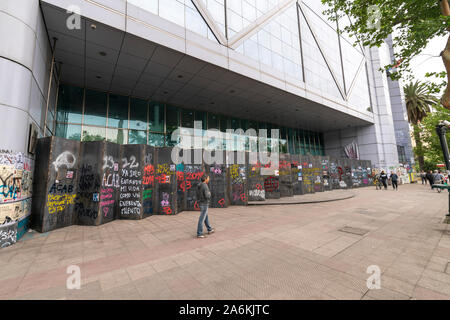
377 181
394 180
438 178
384 179
430 179
423 176
203 198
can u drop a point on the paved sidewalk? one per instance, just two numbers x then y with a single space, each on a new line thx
273 252
336 195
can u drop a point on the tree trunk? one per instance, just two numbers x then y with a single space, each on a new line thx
445 100
419 147
446 58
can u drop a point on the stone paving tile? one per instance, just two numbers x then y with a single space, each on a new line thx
274 252
386 294
421 293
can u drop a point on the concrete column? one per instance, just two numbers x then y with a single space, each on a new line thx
25 57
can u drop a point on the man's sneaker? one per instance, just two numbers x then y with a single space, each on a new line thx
212 231
201 236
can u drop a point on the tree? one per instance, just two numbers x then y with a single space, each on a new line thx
433 152
415 22
418 105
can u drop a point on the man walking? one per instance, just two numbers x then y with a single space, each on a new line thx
203 198
394 180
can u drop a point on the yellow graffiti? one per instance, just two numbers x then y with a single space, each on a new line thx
164 169
234 171
58 203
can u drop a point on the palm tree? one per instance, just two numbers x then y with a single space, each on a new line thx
418 105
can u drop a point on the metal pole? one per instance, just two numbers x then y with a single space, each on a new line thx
441 131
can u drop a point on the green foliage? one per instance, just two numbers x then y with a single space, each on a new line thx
437 83
432 150
415 23
91 137
418 101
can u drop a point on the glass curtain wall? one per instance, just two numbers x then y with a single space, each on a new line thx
88 115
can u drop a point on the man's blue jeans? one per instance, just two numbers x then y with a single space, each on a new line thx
203 219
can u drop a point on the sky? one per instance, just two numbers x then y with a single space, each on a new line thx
425 63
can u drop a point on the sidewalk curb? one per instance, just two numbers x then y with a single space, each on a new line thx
263 203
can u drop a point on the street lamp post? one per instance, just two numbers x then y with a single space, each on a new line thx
441 130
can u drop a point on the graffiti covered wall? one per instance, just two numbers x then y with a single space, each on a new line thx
16 182
93 183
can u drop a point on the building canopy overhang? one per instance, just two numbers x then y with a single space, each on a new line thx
100 57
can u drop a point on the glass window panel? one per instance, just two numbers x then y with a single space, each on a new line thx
68 131
138 114
50 121
252 125
235 124
201 116
187 118
244 124
156 139
70 104
95 108
93 133
213 121
156 117
172 117
291 139
170 142
118 111
223 123
137 137
118 136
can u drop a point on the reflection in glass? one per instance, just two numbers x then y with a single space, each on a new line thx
137 137
118 136
70 104
93 134
223 123
172 122
95 108
187 118
156 117
156 139
118 111
138 114
201 116
213 121
68 131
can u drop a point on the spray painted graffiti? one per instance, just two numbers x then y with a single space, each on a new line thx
58 203
8 234
16 181
65 159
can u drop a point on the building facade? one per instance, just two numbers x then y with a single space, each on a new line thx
133 71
